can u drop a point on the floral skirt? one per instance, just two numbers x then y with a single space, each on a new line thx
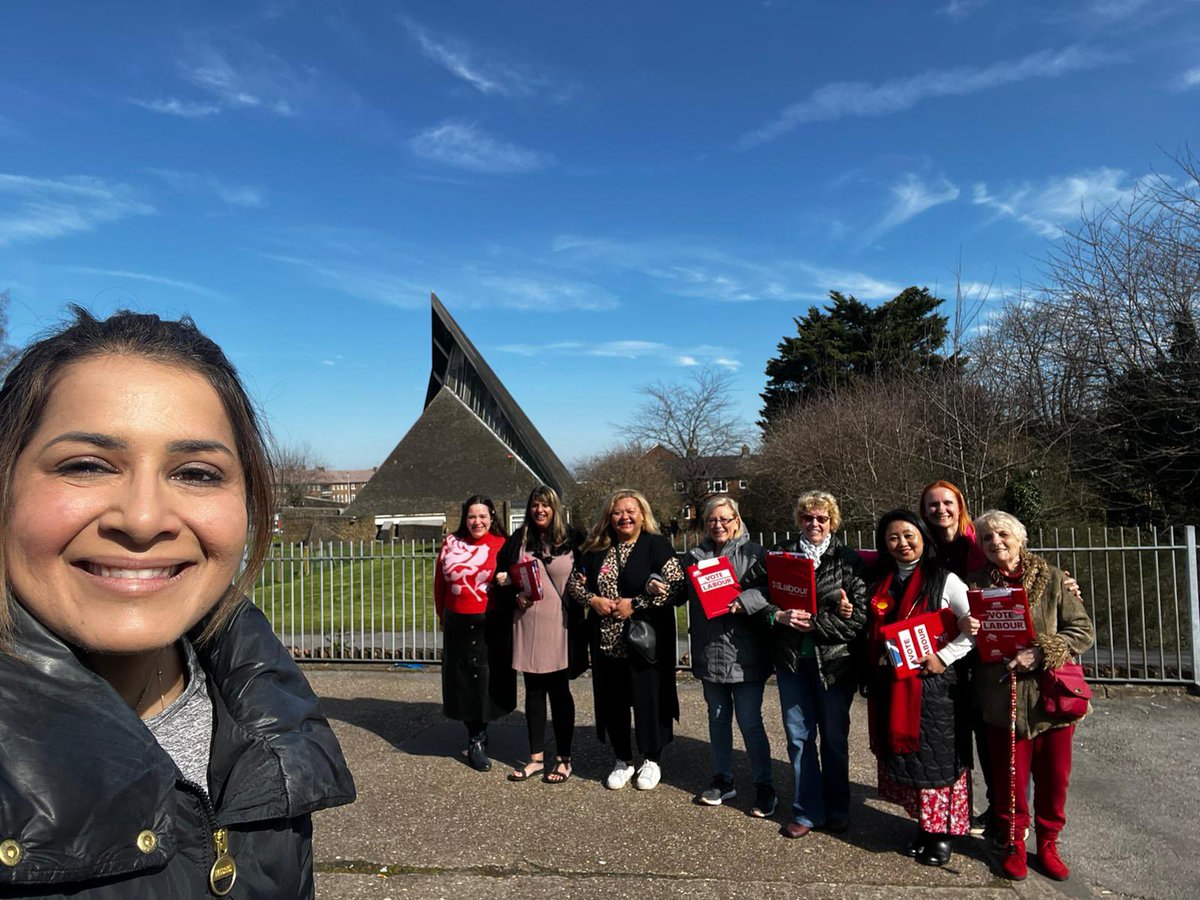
942 810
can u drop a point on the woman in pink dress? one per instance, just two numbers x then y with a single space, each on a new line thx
542 624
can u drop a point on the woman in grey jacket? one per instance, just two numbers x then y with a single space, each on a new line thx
729 656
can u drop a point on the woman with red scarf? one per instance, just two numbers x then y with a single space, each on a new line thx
478 681
918 727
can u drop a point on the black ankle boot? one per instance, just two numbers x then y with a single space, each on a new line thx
477 754
937 850
917 847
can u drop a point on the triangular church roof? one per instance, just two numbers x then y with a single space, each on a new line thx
461 368
471 437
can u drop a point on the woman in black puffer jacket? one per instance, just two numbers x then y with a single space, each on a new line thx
920 726
157 740
816 669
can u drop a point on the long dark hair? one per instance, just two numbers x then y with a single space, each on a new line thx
536 541
931 570
30 383
464 533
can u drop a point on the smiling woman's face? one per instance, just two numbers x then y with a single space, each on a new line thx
128 516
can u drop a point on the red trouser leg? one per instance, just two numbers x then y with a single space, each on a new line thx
998 743
1051 768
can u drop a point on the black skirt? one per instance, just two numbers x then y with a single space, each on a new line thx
945 732
478 680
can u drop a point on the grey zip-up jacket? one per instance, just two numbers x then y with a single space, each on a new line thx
732 648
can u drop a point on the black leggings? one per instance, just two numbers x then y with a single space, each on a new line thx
557 686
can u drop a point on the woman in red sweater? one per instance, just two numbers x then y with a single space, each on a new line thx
478 681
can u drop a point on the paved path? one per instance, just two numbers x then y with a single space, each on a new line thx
427 826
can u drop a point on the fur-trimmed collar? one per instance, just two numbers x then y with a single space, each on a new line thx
1035 577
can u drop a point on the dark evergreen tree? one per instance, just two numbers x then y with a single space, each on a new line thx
848 340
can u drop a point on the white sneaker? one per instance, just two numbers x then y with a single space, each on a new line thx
648 776
619 776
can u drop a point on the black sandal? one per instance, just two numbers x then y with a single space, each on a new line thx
523 773
556 777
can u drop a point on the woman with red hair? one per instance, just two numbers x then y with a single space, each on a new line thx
944 510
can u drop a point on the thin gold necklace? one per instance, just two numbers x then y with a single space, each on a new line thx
162 704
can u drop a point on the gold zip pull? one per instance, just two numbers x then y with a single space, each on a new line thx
223 873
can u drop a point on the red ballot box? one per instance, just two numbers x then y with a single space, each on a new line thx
910 641
716 585
792 581
528 578
1004 623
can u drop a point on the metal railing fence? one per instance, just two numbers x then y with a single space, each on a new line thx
372 601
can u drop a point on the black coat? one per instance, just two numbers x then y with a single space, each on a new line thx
834 637
100 811
649 555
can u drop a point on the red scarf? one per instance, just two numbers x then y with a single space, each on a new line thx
904 710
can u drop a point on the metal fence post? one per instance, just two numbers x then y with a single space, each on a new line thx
1193 601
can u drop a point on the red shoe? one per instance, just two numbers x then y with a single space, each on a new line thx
1014 866
1050 862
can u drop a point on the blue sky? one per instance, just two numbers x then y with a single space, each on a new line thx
602 194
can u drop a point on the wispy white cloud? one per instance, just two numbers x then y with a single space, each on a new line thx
357 279
239 195
173 106
958 10
910 197
842 99
1047 207
257 85
1188 80
486 72
252 79
632 349
464 145
373 268
700 271
199 290
521 292
47 208
1115 9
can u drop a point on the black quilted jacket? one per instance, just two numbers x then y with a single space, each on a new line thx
840 569
93 809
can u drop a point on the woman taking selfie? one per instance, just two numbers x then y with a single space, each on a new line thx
158 741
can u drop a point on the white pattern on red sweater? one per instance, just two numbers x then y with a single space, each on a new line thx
463 573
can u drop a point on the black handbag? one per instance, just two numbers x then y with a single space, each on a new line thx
642 641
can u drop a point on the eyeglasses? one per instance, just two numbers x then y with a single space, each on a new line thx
808 519
715 521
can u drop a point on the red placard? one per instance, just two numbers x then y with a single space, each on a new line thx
910 641
1004 623
716 585
869 557
792 581
527 576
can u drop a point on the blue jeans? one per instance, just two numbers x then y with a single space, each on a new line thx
744 699
822 787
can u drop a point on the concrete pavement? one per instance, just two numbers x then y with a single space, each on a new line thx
428 826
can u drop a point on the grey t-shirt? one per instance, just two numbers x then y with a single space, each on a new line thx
184 729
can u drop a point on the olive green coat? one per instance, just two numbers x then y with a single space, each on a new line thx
1062 630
